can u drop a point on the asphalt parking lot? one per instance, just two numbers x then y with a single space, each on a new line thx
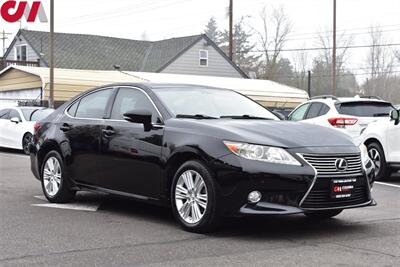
100 230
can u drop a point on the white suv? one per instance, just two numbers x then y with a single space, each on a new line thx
382 139
348 114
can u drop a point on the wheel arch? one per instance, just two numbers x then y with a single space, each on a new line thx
177 159
45 148
375 140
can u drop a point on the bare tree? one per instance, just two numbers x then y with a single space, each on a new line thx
276 27
343 41
300 65
380 61
322 66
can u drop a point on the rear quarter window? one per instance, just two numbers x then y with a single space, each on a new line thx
365 109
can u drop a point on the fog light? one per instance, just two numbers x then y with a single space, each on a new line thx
254 197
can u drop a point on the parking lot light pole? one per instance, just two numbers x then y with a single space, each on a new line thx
51 55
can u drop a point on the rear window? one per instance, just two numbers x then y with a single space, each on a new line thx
27 112
39 115
365 109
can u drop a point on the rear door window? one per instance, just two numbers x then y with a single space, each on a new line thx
365 109
4 114
314 110
299 113
93 106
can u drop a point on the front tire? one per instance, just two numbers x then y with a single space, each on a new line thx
194 198
323 215
377 155
56 187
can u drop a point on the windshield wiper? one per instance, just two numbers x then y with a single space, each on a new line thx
244 117
381 115
196 116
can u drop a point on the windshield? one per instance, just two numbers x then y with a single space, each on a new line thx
211 103
39 115
365 109
27 112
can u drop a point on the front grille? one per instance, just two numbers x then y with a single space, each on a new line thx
325 165
319 196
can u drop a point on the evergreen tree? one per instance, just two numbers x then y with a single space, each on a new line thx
242 48
212 31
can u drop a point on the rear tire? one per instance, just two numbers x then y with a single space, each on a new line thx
377 155
26 140
194 198
323 215
55 185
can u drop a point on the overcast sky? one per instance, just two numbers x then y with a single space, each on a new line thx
159 19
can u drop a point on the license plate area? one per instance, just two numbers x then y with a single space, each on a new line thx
342 188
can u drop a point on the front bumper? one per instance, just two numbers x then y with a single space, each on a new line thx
285 189
266 208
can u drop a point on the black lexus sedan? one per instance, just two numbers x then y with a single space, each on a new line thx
205 152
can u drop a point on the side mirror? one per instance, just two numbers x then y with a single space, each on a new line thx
395 116
15 120
139 116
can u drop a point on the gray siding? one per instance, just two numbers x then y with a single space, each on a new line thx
30 53
188 63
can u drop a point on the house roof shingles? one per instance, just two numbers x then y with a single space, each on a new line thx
80 51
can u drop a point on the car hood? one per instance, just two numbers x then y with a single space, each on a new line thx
273 133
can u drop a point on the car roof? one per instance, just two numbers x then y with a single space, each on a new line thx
30 107
359 99
347 100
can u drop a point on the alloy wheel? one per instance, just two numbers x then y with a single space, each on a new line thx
52 176
191 196
25 143
376 158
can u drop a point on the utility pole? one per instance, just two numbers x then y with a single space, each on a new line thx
4 38
231 29
309 84
51 55
334 50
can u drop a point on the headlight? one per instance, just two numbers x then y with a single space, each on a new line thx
364 153
261 153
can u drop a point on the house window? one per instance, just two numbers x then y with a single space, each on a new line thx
20 53
203 58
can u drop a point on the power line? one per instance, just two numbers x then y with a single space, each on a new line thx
126 12
339 75
324 48
341 35
344 30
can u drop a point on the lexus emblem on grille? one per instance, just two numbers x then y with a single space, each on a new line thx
341 165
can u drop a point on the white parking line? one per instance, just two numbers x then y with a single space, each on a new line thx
69 206
387 184
77 206
14 155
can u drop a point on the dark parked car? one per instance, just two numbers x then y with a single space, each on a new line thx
206 152
284 112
